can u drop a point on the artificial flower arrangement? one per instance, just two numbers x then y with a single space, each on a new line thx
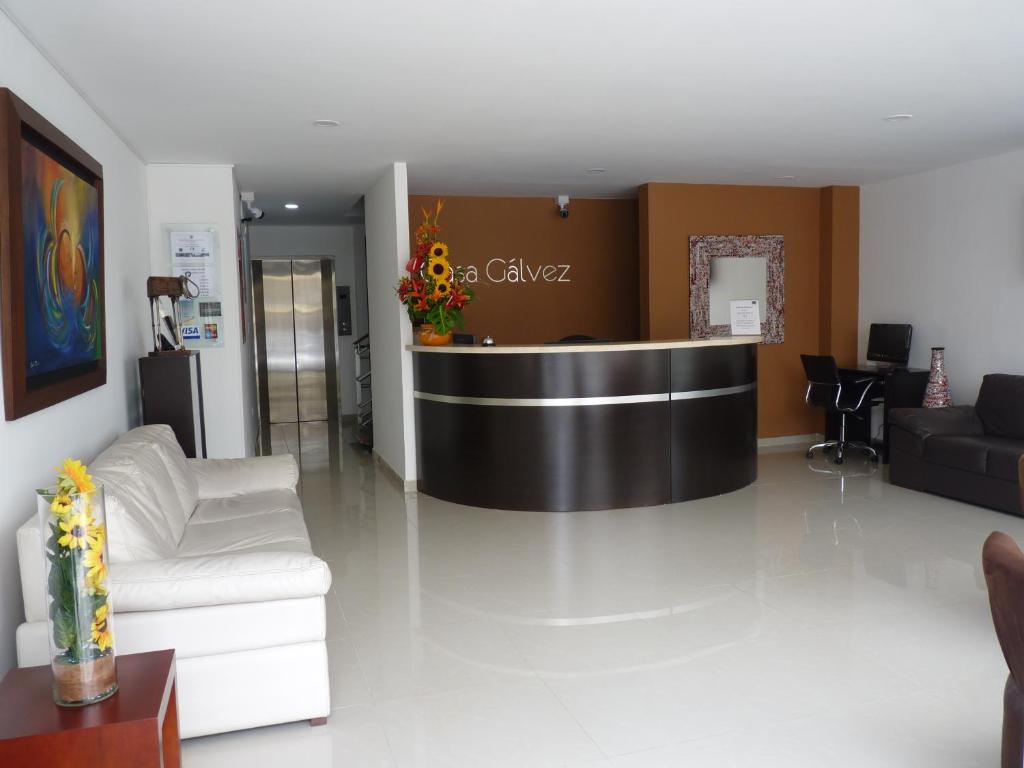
81 637
434 292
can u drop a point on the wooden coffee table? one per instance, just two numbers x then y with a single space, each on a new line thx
137 726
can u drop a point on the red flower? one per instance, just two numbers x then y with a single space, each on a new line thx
457 298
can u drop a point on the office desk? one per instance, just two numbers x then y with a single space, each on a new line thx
894 388
586 426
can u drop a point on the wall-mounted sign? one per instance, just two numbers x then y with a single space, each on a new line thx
745 319
194 255
518 271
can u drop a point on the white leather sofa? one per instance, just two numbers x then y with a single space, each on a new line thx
211 558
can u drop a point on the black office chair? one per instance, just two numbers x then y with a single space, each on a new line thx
825 389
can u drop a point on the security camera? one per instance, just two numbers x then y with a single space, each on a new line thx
248 198
563 206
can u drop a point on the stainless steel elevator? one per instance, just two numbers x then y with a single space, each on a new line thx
296 351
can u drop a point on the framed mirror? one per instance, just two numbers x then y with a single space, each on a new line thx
725 268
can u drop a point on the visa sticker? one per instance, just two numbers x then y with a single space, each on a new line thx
190 332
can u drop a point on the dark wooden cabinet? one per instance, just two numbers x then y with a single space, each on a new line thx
172 393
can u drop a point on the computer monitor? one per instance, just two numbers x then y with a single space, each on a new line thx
889 343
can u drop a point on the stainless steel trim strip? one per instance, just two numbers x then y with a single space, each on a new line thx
696 394
658 397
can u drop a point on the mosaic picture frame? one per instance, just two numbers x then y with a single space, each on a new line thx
704 248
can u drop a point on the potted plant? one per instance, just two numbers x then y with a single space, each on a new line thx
434 292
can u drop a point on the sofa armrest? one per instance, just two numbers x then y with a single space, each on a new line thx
221 478
925 422
190 582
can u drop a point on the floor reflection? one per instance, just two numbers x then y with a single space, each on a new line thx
820 606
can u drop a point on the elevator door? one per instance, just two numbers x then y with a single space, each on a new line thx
296 348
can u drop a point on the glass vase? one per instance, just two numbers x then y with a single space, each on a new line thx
77 597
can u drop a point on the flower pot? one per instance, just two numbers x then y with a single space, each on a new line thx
79 616
430 339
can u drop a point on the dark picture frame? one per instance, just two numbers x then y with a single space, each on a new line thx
25 393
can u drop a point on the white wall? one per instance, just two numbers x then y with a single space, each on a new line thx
206 194
344 244
32 446
944 250
387 251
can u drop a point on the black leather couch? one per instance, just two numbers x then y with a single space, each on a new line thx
967 452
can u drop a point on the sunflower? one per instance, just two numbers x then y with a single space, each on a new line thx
97 569
101 633
441 289
79 532
61 505
439 268
73 472
438 250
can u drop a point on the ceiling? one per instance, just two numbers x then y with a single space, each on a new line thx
522 97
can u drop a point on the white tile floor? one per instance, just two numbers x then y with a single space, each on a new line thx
813 619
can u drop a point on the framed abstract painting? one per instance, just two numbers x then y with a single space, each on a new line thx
52 321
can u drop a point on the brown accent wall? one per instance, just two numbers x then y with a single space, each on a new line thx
820 227
599 243
840 269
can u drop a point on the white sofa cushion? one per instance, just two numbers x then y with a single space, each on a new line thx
266 532
200 631
236 507
141 504
161 438
189 582
221 478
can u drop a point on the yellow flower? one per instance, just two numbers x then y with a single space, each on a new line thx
101 633
78 532
97 569
438 250
439 268
61 505
76 473
441 289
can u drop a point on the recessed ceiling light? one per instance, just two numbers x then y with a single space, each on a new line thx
291 206
595 171
785 178
326 123
898 118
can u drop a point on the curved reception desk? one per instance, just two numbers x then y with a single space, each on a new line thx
592 426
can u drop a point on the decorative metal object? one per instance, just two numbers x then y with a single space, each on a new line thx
167 329
936 394
488 341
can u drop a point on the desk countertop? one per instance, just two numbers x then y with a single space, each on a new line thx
611 346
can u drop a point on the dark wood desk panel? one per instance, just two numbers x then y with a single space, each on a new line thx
552 430
556 459
552 374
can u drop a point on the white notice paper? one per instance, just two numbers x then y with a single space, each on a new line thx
194 254
745 317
